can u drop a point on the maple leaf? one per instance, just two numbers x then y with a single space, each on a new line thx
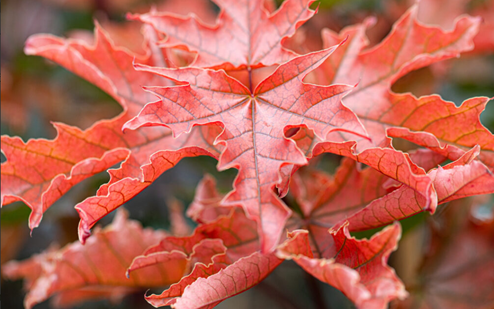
253 124
267 132
236 268
102 262
443 13
355 267
382 111
458 127
241 257
393 188
332 201
461 178
145 153
146 163
105 65
409 46
208 292
26 177
245 33
33 269
235 246
237 233
325 201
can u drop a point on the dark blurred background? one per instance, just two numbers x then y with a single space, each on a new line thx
34 92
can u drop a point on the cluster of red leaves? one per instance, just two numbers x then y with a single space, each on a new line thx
243 100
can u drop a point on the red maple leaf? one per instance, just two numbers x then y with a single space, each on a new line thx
379 195
239 265
233 250
409 46
96 269
245 34
254 125
356 267
26 177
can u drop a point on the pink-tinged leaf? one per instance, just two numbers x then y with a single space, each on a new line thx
40 171
237 233
245 34
254 126
337 68
353 192
358 268
326 200
392 188
170 296
462 178
205 207
32 269
212 247
236 278
444 12
452 151
392 163
105 65
146 154
409 46
145 165
232 237
102 262
426 158
178 223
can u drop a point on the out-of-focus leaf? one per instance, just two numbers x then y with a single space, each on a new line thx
205 207
457 269
101 262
